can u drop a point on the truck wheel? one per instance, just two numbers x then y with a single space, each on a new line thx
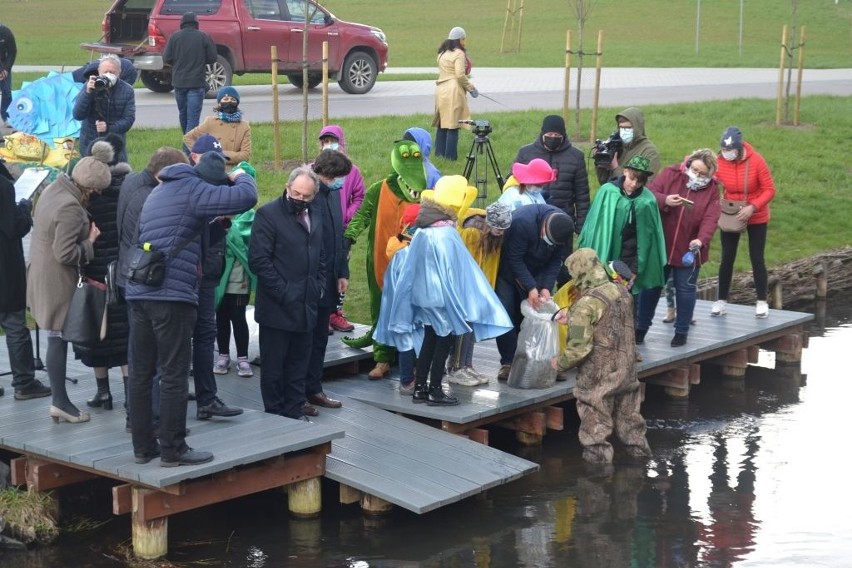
219 75
358 74
296 80
157 81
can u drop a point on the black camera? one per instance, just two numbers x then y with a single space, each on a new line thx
480 127
604 150
102 83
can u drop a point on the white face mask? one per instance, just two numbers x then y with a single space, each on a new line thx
111 78
730 155
534 188
626 135
696 181
331 146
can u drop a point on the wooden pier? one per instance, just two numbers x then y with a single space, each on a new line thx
380 448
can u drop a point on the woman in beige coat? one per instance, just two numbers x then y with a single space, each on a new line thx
228 126
451 93
62 240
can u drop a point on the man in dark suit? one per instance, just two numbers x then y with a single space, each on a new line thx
286 254
332 167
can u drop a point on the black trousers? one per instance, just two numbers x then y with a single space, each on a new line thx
313 383
161 337
284 359
433 357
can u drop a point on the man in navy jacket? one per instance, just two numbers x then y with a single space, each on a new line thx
163 317
534 248
286 255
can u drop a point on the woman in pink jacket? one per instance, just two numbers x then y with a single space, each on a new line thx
745 176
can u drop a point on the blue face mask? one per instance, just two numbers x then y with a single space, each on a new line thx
331 146
336 184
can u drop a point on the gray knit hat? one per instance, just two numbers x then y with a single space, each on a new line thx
457 33
498 215
211 168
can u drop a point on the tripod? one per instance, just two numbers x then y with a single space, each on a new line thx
480 156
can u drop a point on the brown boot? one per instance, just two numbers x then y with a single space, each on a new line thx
379 371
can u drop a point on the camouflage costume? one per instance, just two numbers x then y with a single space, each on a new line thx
601 345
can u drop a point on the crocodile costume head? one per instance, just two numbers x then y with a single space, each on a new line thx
408 178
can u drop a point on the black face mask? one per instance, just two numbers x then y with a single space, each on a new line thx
228 107
552 142
297 205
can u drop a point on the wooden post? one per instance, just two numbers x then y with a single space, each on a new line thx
799 77
276 122
598 59
305 498
372 505
776 295
779 102
565 100
150 538
325 83
821 273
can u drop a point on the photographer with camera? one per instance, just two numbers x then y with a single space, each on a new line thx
106 105
627 141
688 198
570 189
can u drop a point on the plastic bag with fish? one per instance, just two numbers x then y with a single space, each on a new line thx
538 343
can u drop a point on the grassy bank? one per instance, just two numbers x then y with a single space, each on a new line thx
809 213
631 31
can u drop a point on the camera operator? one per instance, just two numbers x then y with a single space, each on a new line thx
630 125
106 104
570 190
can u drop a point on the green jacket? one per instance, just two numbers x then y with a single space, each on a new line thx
236 248
611 211
639 146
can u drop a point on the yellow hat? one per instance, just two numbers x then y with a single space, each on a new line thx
452 192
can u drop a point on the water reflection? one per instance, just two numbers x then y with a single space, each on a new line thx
750 477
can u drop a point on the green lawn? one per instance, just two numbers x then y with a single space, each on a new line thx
637 33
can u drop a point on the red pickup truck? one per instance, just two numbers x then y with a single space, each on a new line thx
243 31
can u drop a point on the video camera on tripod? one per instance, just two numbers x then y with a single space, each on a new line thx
480 127
476 171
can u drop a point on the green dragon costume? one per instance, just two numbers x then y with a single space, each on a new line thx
380 212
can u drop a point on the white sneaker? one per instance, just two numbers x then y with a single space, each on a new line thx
719 308
762 310
460 377
222 365
244 368
471 372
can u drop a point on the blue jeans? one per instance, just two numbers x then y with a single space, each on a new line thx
162 338
6 95
189 102
406 366
20 346
447 143
686 292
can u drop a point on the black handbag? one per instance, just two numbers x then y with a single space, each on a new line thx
114 297
148 265
86 320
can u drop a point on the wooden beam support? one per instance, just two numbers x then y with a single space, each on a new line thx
150 536
19 470
278 472
530 423
478 435
456 428
304 498
372 505
678 378
44 476
122 499
734 364
554 418
788 349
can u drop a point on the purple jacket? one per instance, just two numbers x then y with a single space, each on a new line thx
352 192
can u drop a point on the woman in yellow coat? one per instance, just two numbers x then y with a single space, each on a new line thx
228 126
451 91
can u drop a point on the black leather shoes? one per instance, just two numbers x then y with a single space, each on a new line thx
678 340
147 455
189 457
217 408
421 393
101 399
33 390
640 336
322 399
437 397
309 410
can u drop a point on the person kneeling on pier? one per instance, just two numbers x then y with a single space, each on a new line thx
602 347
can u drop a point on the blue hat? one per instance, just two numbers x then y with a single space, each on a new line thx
732 139
207 143
225 91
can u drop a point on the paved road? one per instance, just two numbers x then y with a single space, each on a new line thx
514 89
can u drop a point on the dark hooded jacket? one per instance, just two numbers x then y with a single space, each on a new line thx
570 191
639 146
15 223
188 51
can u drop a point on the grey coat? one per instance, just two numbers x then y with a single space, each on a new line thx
59 243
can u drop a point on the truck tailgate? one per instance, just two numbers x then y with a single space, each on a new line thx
122 49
